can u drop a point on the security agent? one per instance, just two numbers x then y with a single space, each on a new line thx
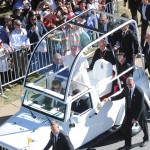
135 111
58 139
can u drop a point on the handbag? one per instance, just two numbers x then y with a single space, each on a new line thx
42 47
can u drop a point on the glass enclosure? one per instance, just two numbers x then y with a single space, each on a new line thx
47 104
61 60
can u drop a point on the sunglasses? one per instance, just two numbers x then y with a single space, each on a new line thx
128 84
1 42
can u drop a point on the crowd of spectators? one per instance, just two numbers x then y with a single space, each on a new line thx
31 19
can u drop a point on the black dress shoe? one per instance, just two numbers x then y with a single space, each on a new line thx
124 148
144 143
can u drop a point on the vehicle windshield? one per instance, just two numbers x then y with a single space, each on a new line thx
48 105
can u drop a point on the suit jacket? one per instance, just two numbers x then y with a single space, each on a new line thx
128 43
147 54
81 105
138 107
101 26
64 73
133 4
147 13
63 142
107 55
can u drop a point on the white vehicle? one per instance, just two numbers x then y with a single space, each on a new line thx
29 128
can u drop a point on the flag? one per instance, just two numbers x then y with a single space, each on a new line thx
30 140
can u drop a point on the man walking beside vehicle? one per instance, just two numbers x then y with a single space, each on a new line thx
58 139
133 6
135 111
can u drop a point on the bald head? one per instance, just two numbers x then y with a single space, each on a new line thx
54 127
103 19
130 82
57 59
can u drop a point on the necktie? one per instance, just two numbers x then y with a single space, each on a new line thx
55 140
129 99
57 68
123 33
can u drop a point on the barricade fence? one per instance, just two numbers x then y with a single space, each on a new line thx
13 65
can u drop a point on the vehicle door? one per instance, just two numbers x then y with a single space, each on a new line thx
83 121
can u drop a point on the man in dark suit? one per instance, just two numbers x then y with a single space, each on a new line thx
135 111
105 25
81 104
127 42
104 53
133 6
58 65
144 9
58 139
147 51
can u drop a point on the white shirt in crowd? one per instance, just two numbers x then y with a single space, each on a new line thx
19 38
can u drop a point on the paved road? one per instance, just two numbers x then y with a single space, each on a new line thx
111 143
116 140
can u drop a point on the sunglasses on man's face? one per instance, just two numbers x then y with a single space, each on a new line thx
128 84
1 42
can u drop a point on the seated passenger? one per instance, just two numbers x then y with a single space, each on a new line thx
47 103
79 72
81 104
57 65
104 53
70 57
121 66
57 87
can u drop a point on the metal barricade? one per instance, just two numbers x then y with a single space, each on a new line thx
13 66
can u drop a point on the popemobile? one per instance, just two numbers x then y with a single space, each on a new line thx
29 128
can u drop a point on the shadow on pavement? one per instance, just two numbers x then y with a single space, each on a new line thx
3 119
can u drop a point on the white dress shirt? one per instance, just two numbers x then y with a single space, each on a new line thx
144 11
19 38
